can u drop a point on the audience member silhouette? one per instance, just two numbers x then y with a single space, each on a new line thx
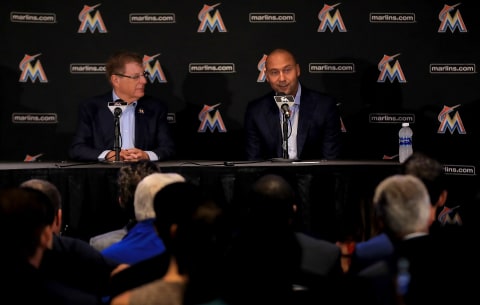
430 172
76 271
266 262
142 241
403 205
190 227
26 216
128 178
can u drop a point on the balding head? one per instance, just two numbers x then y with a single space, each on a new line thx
47 188
146 190
272 199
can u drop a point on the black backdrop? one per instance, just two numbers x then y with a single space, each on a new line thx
52 55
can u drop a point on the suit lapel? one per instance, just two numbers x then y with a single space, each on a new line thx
305 114
140 124
106 119
273 122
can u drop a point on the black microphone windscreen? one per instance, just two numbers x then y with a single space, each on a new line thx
117 111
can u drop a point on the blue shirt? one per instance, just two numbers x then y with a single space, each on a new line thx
140 243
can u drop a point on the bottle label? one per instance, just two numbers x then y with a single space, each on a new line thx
405 141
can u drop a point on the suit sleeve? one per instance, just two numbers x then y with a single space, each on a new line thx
252 136
332 137
152 130
165 149
83 147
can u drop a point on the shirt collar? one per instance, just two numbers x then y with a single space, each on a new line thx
115 97
298 95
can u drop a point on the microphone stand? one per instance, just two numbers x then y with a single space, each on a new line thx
285 135
116 144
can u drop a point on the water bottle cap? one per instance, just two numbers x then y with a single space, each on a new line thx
405 124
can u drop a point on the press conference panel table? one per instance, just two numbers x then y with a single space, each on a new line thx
334 196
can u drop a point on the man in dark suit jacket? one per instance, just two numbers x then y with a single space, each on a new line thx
424 268
143 123
74 270
277 260
314 124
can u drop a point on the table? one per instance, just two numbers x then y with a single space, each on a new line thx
334 196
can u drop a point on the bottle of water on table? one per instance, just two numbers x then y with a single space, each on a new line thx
405 138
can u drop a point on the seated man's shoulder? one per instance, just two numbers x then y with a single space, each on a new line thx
104 240
310 242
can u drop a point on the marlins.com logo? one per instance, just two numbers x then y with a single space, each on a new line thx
30 71
209 21
389 71
327 20
447 21
155 70
261 68
450 123
209 121
89 22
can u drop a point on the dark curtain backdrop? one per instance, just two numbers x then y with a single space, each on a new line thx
385 61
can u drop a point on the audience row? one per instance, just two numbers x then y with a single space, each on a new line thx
184 246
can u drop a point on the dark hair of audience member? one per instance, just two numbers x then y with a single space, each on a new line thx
47 188
24 213
265 248
197 244
128 178
429 170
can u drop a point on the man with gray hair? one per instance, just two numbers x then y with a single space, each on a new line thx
417 269
402 204
128 178
142 241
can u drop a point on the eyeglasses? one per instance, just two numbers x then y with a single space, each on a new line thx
134 77
276 72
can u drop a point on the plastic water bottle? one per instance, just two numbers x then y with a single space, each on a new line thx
405 147
403 279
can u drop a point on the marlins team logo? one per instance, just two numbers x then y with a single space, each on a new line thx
154 70
447 21
449 122
261 68
209 121
209 21
89 22
327 20
30 71
389 71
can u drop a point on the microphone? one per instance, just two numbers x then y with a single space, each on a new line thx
284 102
117 107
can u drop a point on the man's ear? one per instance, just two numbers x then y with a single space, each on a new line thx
46 238
442 199
57 225
114 79
173 230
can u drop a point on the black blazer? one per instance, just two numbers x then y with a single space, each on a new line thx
95 130
319 128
